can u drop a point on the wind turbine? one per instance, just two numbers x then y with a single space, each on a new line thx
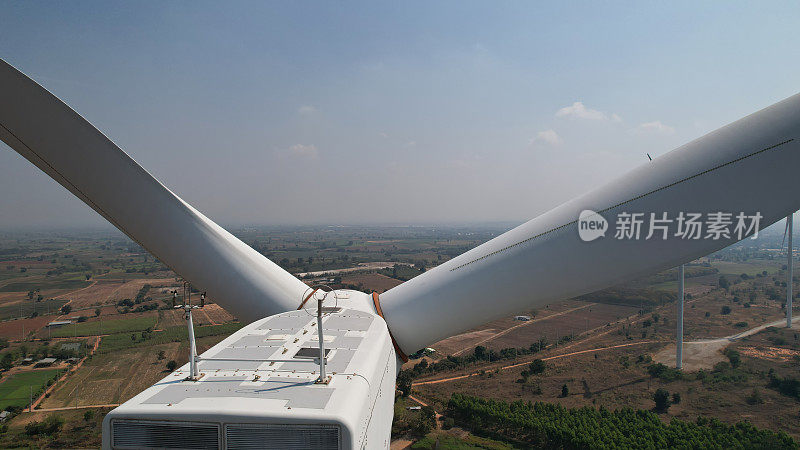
260 387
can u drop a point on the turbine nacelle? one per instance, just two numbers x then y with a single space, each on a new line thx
258 388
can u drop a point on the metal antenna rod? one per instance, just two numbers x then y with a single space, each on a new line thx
192 348
679 331
321 341
789 272
187 308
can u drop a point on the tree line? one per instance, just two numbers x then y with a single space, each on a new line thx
554 426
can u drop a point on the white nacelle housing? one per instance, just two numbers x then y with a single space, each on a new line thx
243 400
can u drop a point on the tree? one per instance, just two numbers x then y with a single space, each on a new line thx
172 365
724 283
733 357
426 421
7 361
161 355
97 312
725 309
480 352
564 390
66 309
404 380
661 398
88 415
537 366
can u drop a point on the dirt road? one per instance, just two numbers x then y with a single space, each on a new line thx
705 353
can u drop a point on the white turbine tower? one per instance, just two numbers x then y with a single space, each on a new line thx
258 388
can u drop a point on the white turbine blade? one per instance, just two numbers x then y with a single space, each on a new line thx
68 148
748 166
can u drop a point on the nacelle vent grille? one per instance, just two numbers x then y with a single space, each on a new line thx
146 434
284 437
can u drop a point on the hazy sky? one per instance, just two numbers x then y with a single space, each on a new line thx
347 112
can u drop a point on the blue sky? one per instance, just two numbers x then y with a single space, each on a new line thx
409 112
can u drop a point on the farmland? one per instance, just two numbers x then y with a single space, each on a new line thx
601 346
17 389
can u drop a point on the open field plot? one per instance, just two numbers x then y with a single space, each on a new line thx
116 376
17 285
552 322
100 327
109 378
100 292
579 319
370 281
750 267
114 342
488 331
17 329
212 314
16 390
28 308
106 291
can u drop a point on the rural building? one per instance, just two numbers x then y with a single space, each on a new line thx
44 362
59 323
523 318
4 415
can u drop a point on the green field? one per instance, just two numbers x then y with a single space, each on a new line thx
134 324
16 389
25 286
172 334
29 307
751 268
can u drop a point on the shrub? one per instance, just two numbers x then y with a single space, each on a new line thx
537 366
664 373
172 365
734 357
725 310
788 386
51 425
661 399
754 398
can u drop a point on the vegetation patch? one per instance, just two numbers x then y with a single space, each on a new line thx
554 426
